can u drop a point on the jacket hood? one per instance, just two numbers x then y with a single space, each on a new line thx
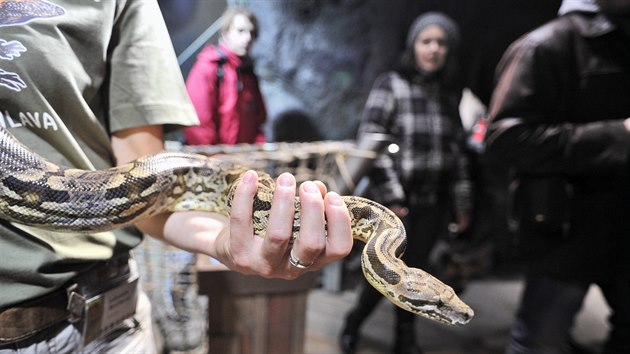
578 5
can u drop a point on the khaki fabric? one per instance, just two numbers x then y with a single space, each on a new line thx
71 73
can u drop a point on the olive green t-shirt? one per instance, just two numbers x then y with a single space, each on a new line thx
71 73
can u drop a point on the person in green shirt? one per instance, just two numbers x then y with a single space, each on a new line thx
93 84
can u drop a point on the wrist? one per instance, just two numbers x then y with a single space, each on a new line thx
195 231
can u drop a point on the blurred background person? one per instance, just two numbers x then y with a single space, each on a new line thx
559 120
223 87
426 183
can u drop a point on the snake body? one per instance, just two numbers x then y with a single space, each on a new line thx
36 192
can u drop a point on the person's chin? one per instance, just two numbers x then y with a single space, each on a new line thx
429 68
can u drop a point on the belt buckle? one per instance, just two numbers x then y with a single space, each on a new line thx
76 304
99 314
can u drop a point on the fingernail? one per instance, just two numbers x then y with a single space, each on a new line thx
310 187
249 177
335 199
286 180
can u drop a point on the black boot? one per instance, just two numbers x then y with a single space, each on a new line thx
405 342
349 335
348 343
366 302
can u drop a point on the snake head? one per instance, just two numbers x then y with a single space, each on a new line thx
427 296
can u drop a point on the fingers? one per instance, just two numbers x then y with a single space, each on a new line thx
280 226
236 248
324 236
321 186
339 240
312 238
400 210
325 233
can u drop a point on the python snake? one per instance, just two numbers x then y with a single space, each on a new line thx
39 193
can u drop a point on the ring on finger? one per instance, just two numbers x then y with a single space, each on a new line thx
294 261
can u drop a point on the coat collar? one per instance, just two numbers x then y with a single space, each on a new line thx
593 25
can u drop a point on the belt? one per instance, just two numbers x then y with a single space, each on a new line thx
28 318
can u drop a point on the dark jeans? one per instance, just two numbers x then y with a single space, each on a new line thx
547 311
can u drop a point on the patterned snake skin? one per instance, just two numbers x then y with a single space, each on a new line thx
38 193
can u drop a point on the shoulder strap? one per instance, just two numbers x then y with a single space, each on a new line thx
219 79
220 63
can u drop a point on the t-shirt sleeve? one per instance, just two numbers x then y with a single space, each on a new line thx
146 84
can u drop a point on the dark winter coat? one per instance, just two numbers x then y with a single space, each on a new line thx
562 95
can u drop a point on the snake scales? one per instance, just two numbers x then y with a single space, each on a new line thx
38 193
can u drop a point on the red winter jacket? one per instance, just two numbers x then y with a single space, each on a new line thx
241 110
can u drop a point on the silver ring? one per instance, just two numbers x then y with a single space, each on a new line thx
296 262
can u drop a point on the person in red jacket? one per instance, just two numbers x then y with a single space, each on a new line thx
223 87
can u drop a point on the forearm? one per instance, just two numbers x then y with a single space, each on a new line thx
193 231
324 235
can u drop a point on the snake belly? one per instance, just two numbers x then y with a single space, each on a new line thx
41 194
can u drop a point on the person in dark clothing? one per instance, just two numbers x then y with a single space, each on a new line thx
426 183
559 121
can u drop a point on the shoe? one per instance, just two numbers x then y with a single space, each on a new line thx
406 342
348 343
349 337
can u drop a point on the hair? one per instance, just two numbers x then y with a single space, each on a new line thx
449 75
295 125
228 17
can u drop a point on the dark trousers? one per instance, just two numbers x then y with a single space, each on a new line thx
547 311
424 225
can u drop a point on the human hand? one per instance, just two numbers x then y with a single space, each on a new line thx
324 235
400 210
462 221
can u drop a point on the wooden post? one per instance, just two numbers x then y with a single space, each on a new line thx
252 315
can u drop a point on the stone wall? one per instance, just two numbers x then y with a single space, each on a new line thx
321 57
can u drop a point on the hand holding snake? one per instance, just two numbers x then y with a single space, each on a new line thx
312 247
38 193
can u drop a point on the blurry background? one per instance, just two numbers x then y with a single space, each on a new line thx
321 56
317 59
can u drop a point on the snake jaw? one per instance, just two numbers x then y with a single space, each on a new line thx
437 301
452 309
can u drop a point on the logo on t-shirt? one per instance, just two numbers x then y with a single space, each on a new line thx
18 12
